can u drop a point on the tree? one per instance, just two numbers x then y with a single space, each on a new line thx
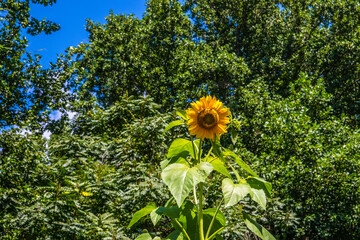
154 56
25 88
280 39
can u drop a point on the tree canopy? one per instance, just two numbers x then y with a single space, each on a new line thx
25 88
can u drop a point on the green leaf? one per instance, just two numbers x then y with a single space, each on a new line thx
234 136
219 166
182 114
144 236
240 162
181 158
259 183
258 195
155 216
233 193
181 179
167 210
188 219
175 235
259 190
171 212
141 213
179 146
173 124
256 228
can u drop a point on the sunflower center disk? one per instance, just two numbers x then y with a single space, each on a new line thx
208 118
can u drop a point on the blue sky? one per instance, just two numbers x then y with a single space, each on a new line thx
71 15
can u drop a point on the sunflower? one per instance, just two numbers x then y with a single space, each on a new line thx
207 118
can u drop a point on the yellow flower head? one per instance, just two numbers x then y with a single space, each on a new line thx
207 118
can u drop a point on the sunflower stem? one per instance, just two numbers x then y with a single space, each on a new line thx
201 186
193 145
201 217
199 158
195 198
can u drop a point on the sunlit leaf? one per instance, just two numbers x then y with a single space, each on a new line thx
142 213
219 166
233 193
180 146
181 179
173 124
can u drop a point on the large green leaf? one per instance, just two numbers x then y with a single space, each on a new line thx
256 228
233 193
218 166
240 162
258 195
173 124
142 213
180 158
220 217
155 216
181 179
188 219
260 189
179 146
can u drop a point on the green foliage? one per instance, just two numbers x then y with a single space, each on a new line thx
279 40
288 70
306 152
25 88
156 55
80 184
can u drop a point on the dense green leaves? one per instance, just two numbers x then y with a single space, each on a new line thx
26 90
288 71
